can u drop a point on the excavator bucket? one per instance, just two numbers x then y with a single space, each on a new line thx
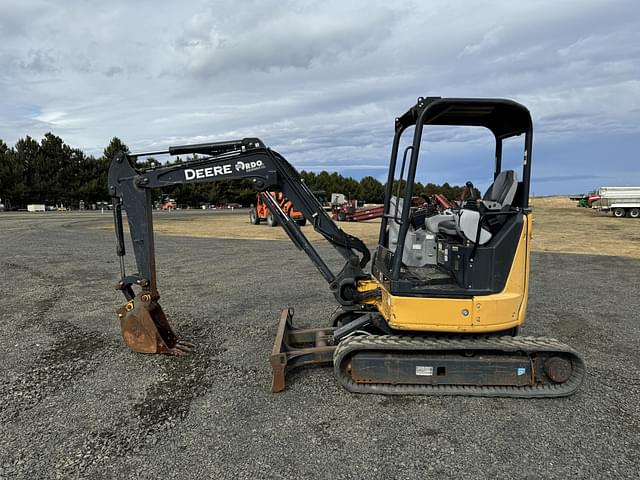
145 328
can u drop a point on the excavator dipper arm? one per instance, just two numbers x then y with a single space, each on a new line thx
143 323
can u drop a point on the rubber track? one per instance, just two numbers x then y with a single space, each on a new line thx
529 345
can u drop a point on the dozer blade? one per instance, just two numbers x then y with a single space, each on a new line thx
145 328
298 347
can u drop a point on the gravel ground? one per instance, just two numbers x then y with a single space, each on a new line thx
76 403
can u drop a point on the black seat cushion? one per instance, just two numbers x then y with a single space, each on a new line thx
501 193
448 227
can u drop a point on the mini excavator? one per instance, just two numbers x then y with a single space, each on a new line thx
440 309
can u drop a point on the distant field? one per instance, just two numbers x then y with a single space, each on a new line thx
559 226
236 225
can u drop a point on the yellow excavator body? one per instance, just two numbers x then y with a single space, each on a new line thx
478 314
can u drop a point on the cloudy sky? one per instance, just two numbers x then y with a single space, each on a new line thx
322 81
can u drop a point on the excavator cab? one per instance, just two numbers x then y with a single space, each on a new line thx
439 310
478 249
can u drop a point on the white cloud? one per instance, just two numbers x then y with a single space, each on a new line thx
321 81
489 40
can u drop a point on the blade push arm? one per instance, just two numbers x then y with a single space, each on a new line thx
241 159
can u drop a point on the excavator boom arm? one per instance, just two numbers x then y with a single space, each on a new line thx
240 159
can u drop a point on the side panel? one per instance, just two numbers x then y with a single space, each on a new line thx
480 314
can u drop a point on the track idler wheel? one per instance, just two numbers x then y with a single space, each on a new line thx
145 328
558 369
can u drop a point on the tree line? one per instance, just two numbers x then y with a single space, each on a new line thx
55 173
370 189
52 172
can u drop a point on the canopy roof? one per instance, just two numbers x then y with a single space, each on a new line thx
505 118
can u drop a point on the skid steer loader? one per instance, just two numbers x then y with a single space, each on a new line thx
440 308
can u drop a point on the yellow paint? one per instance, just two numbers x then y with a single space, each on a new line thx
480 314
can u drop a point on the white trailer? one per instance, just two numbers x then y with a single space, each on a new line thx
35 207
621 201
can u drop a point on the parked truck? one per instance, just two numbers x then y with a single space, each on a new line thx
621 201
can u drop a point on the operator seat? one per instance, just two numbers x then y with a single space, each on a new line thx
498 197
501 193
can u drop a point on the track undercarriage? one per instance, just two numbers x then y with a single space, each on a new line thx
485 366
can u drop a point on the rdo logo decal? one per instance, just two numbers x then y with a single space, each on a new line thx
249 166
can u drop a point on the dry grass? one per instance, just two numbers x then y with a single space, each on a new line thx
237 226
559 226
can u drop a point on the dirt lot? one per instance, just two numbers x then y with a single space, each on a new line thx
559 226
77 404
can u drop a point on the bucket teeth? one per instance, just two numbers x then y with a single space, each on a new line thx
145 328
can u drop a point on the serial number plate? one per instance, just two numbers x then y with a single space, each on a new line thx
424 371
